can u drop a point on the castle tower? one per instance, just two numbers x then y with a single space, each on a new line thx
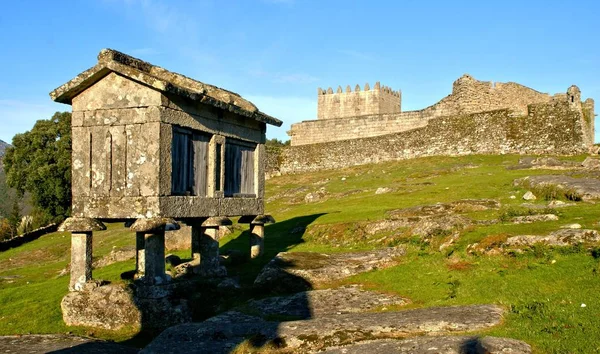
360 102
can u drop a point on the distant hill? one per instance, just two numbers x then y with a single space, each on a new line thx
3 147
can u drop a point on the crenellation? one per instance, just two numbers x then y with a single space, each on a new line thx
339 89
357 88
367 88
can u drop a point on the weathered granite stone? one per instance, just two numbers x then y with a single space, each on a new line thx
221 334
584 188
591 163
459 206
529 196
299 271
150 224
60 343
442 345
528 219
76 224
316 303
114 306
109 306
562 237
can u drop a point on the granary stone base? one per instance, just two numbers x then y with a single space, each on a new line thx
117 306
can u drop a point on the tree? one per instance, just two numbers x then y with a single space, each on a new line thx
14 218
39 162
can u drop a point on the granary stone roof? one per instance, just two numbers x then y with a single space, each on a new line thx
160 79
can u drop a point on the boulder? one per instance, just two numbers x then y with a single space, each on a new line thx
116 255
529 196
580 188
292 272
383 190
117 306
591 163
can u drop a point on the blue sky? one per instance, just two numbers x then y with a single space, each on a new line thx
277 52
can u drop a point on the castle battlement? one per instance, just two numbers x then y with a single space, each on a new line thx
360 102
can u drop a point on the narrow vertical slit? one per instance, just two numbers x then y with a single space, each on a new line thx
90 166
110 162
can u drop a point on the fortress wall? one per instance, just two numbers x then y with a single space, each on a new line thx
351 115
324 130
547 128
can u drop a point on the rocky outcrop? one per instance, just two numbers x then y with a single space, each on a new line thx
221 334
292 272
580 188
317 303
67 344
443 344
562 237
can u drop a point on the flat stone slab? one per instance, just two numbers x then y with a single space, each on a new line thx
291 272
316 303
585 188
562 237
46 343
221 334
430 345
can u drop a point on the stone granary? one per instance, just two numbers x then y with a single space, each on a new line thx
155 146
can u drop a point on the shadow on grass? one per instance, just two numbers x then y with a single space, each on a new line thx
206 299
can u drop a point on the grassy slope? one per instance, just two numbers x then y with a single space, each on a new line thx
543 290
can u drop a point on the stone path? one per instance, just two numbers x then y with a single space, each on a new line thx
430 345
291 272
60 343
222 333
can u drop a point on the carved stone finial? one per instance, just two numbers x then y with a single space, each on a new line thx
329 90
348 89
339 90
377 86
357 88
367 87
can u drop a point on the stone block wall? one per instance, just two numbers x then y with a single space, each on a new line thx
319 131
379 100
555 127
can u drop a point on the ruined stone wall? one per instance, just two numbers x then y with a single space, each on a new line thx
547 128
468 96
379 100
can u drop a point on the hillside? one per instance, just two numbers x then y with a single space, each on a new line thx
3 147
454 215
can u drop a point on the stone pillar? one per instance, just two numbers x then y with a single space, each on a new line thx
151 234
140 259
208 243
257 242
257 232
81 249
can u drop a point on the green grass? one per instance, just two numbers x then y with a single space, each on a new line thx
542 290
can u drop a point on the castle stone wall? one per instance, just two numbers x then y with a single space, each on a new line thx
319 131
554 127
379 100
358 108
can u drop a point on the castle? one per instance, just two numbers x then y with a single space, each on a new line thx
479 117
377 111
